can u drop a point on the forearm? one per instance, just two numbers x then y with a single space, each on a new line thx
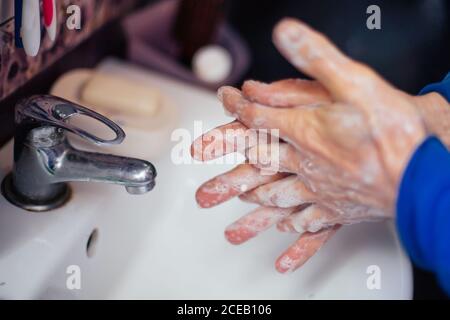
423 203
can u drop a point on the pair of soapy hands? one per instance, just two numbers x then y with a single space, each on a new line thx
346 138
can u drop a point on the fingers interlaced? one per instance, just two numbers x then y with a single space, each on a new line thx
281 157
283 193
237 181
329 126
284 199
258 220
286 93
222 141
255 115
311 219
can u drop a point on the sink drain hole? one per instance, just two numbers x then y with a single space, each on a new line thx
92 243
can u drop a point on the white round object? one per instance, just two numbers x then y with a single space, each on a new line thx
212 64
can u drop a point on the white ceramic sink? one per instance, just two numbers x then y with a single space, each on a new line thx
162 246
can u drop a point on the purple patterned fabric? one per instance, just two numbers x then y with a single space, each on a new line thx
16 68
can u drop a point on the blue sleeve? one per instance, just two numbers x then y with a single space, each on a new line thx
423 203
441 87
423 209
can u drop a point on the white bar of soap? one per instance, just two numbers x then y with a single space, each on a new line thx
111 93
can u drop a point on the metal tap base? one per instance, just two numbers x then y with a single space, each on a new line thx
18 200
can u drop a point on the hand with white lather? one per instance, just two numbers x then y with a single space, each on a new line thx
346 139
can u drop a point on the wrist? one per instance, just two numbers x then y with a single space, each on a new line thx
435 111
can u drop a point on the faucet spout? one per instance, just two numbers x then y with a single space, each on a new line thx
137 176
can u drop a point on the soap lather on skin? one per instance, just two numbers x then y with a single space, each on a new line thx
343 147
230 184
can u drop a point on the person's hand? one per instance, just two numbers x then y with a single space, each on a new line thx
349 152
238 182
350 133
243 179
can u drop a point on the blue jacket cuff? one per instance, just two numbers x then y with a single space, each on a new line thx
442 87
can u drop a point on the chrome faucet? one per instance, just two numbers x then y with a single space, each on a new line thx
44 160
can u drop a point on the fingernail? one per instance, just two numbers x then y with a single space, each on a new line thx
285 264
220 93
237 234
289 38
290 27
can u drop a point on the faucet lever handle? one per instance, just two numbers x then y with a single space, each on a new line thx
56 111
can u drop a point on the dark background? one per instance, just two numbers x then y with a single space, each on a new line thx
411 50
